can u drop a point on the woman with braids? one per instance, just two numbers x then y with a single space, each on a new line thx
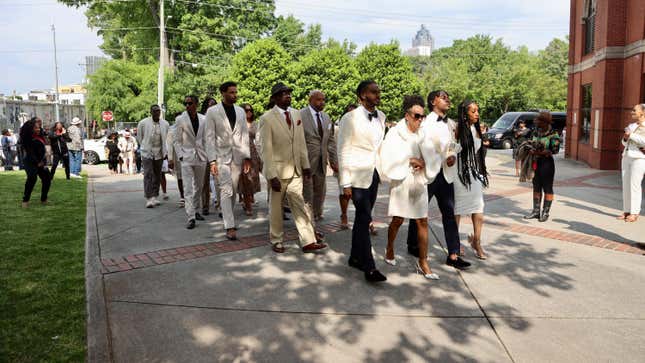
32 138
544 166
473 177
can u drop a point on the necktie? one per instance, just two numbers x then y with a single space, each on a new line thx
444 119
288 117
320 128
372 115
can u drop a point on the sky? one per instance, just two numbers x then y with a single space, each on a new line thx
26 45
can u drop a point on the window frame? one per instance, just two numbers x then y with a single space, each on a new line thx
585 110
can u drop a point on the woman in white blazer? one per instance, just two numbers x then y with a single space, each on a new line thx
633 165
400 162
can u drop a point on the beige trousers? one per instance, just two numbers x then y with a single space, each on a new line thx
292 189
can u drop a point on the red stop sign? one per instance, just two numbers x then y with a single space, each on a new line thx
107 116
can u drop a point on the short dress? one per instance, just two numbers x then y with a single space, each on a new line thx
469 201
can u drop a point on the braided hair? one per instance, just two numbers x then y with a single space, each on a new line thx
469 163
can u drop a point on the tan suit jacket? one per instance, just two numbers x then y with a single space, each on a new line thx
227 145
284 151
321 149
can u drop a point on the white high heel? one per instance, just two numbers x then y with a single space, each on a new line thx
431 276
391 262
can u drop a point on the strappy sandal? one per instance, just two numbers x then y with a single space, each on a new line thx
478 254
373 231
278 247
631 218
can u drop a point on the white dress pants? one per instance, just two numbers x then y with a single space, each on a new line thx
193 177
228 177
633 170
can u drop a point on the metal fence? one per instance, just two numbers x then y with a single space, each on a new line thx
13 113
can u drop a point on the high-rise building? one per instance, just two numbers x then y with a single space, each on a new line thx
422 44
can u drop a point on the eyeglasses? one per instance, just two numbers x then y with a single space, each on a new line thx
248 110
188 103
418 116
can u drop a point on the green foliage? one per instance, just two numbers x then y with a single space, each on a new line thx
392 71
256 68
330 70
290 33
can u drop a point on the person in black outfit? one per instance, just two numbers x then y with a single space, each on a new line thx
113 152
32 138
58 140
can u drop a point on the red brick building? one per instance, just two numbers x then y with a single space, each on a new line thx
606 77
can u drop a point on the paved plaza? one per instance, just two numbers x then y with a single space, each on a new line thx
568 290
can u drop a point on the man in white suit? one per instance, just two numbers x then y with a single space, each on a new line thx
360 136
190 146
439 135
284 154
228 150
321 148
152 133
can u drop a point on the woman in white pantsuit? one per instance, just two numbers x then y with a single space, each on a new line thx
401 163
473 177
633 165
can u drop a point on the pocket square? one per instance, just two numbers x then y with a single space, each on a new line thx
299 122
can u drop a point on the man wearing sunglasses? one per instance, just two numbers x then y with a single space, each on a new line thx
151 135
190 146
228 150
439 150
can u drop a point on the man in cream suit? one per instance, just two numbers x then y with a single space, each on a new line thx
190 146
151 135
321 148
439 136
228 150
360 136
285 164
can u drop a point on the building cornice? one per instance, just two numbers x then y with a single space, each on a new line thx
600 55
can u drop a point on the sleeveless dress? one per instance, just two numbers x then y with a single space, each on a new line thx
250 183
469 201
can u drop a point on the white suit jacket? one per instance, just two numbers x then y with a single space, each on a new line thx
438 145
226 145
357 151
191 148
636 140
144 136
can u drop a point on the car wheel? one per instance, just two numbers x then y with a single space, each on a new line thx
507 144
92 158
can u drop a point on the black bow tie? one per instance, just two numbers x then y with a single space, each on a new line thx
372 115
444 119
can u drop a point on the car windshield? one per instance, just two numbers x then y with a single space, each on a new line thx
504 122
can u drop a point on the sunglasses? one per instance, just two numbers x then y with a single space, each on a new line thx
418 116
248 110
188 103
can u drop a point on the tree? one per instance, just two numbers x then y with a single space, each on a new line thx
290 33
392 71
330 70
256 68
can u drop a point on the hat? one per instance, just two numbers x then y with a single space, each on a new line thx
280 87
76 121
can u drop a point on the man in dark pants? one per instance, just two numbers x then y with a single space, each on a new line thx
439 131
361 133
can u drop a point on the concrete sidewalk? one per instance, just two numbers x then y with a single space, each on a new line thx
568 290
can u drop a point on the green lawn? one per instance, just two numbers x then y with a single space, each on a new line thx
42 287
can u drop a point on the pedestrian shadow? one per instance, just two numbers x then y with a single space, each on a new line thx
590 229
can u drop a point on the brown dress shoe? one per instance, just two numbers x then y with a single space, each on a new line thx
314 246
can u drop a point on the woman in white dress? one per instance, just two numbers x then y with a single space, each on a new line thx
401 164
473 177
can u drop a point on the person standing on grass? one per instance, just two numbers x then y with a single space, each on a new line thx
75 147
633 165
152 133
58 139
33 142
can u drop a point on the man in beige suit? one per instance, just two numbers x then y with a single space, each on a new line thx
285 163
230 148
190 146
321 148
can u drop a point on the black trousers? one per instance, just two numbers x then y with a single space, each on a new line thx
58 158
544 174
33 173
364 200
445 195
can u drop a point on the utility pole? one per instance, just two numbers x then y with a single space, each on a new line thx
162 60
57 100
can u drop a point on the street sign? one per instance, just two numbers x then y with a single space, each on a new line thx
107 116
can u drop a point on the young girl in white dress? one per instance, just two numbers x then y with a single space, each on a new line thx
473 177
401 164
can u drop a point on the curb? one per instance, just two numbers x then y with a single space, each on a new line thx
97 327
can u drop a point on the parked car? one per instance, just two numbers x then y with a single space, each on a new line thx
501 134
94 150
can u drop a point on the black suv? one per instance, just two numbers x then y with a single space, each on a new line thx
501 134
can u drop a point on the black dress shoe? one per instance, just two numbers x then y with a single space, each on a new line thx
353 262
190 224
414 252
457 263
205 211
199 217
375 276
